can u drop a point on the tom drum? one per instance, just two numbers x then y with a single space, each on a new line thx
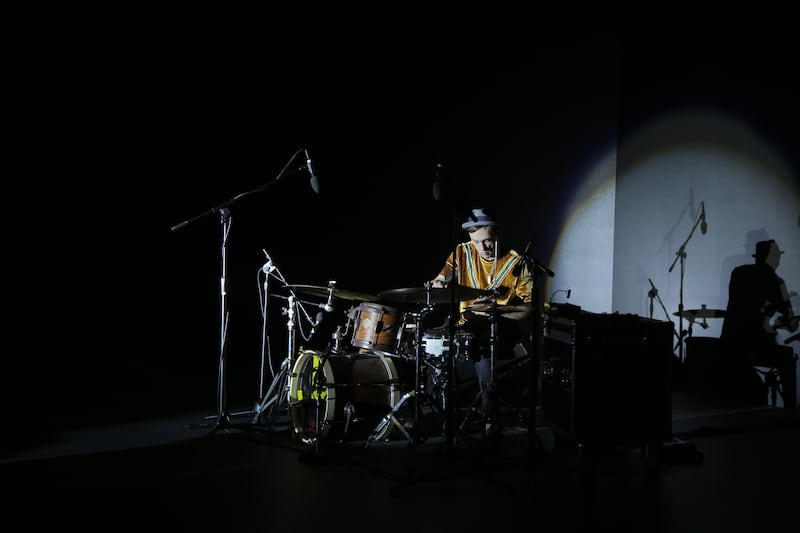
377 328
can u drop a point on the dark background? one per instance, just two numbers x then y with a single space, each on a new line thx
126 128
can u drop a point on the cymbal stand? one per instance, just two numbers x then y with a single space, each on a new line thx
277 396
417 392
489 388
535 446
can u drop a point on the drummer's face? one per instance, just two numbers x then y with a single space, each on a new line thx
483 239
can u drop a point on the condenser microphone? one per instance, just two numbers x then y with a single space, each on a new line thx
310 169
703 224
437 182
327 307
269 266
317 322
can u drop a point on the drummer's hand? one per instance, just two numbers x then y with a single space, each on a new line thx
438 284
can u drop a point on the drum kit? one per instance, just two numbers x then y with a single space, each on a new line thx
379 372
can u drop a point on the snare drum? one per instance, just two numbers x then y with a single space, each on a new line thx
377 328
355 392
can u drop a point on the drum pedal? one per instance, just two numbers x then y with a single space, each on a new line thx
349 410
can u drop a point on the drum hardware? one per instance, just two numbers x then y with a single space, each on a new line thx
489 396
275 400
337 337
277 395
419 392
416 393
349 411
487 392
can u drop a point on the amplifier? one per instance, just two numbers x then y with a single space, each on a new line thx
606 378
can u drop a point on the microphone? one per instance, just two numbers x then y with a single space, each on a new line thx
653 292
317 322
541 268
703 224
310 169
269 266
569 291
327 305
528 246
437 182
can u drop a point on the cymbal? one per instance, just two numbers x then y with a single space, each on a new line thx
701 313
322 292
419 295
492 307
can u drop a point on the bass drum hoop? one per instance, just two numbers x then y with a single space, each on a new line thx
337 390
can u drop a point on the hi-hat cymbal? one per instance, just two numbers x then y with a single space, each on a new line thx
493 307
420 295
322 292
701 313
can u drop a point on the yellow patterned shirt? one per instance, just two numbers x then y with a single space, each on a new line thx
509 274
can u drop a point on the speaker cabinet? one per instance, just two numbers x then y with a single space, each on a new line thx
606 378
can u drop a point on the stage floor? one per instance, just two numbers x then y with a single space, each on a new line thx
725 468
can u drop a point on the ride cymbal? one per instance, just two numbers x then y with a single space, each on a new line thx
421 295
701 313
322 292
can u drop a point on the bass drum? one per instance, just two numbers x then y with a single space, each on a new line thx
355 392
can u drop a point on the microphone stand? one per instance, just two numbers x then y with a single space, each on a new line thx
450 389
535 447
223 416
681 254
653 294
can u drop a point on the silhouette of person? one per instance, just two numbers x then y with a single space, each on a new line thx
759 304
